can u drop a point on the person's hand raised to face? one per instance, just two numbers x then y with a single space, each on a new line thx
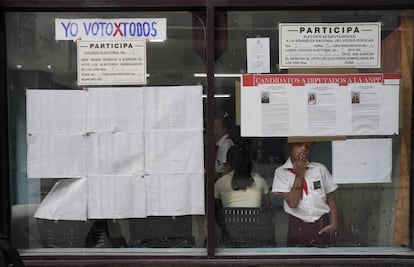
299 155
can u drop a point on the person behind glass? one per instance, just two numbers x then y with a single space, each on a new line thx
223 143
309 200
240 187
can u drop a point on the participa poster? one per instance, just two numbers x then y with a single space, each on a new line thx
117 144
330 45
319 104
112 62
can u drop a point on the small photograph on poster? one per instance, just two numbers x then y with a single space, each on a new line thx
355 98
311 99
265 97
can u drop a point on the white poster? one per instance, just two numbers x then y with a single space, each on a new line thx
258 55
117 152
114 110
117 197
275 103
55 111
322 109
56 155
173 152
330 45
66 201
319 104
175 194
112 62
362 161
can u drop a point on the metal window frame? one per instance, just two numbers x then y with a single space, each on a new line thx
209 7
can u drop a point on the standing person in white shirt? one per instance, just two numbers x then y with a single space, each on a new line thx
309 200
223 143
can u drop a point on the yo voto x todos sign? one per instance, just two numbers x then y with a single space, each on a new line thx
111 51
112 29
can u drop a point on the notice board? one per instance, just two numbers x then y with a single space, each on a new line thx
319 104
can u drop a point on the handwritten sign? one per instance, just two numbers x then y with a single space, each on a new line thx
111 29
327 45
112 62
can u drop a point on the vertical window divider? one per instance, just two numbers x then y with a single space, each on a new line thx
210 122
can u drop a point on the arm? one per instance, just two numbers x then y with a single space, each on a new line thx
221 158
333 219
292 197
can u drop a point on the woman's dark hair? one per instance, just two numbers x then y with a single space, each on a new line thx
240 161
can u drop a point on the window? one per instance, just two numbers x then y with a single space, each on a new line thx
368 209
54 201
356 117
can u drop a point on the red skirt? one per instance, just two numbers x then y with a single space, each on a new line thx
302 234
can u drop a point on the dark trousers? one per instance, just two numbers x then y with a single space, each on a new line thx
302 234
95 236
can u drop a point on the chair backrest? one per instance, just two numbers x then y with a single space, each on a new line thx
249 227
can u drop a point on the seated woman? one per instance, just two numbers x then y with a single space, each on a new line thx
240 187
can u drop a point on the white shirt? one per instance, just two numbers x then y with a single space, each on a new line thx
223 146
251 197
319 181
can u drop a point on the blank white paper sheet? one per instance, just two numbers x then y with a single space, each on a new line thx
357 161
66 201
135 151
116 197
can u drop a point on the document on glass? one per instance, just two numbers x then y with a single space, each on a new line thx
66 201
103 135
55 111
330 45
111 62
56 156
365 101
174 108
321 109
175 194
275 109
258 55
115 109
173 152
362 161
116 197
115 153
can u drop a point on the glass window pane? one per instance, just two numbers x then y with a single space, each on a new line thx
112 183
367 213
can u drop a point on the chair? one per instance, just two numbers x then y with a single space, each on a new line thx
249 227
